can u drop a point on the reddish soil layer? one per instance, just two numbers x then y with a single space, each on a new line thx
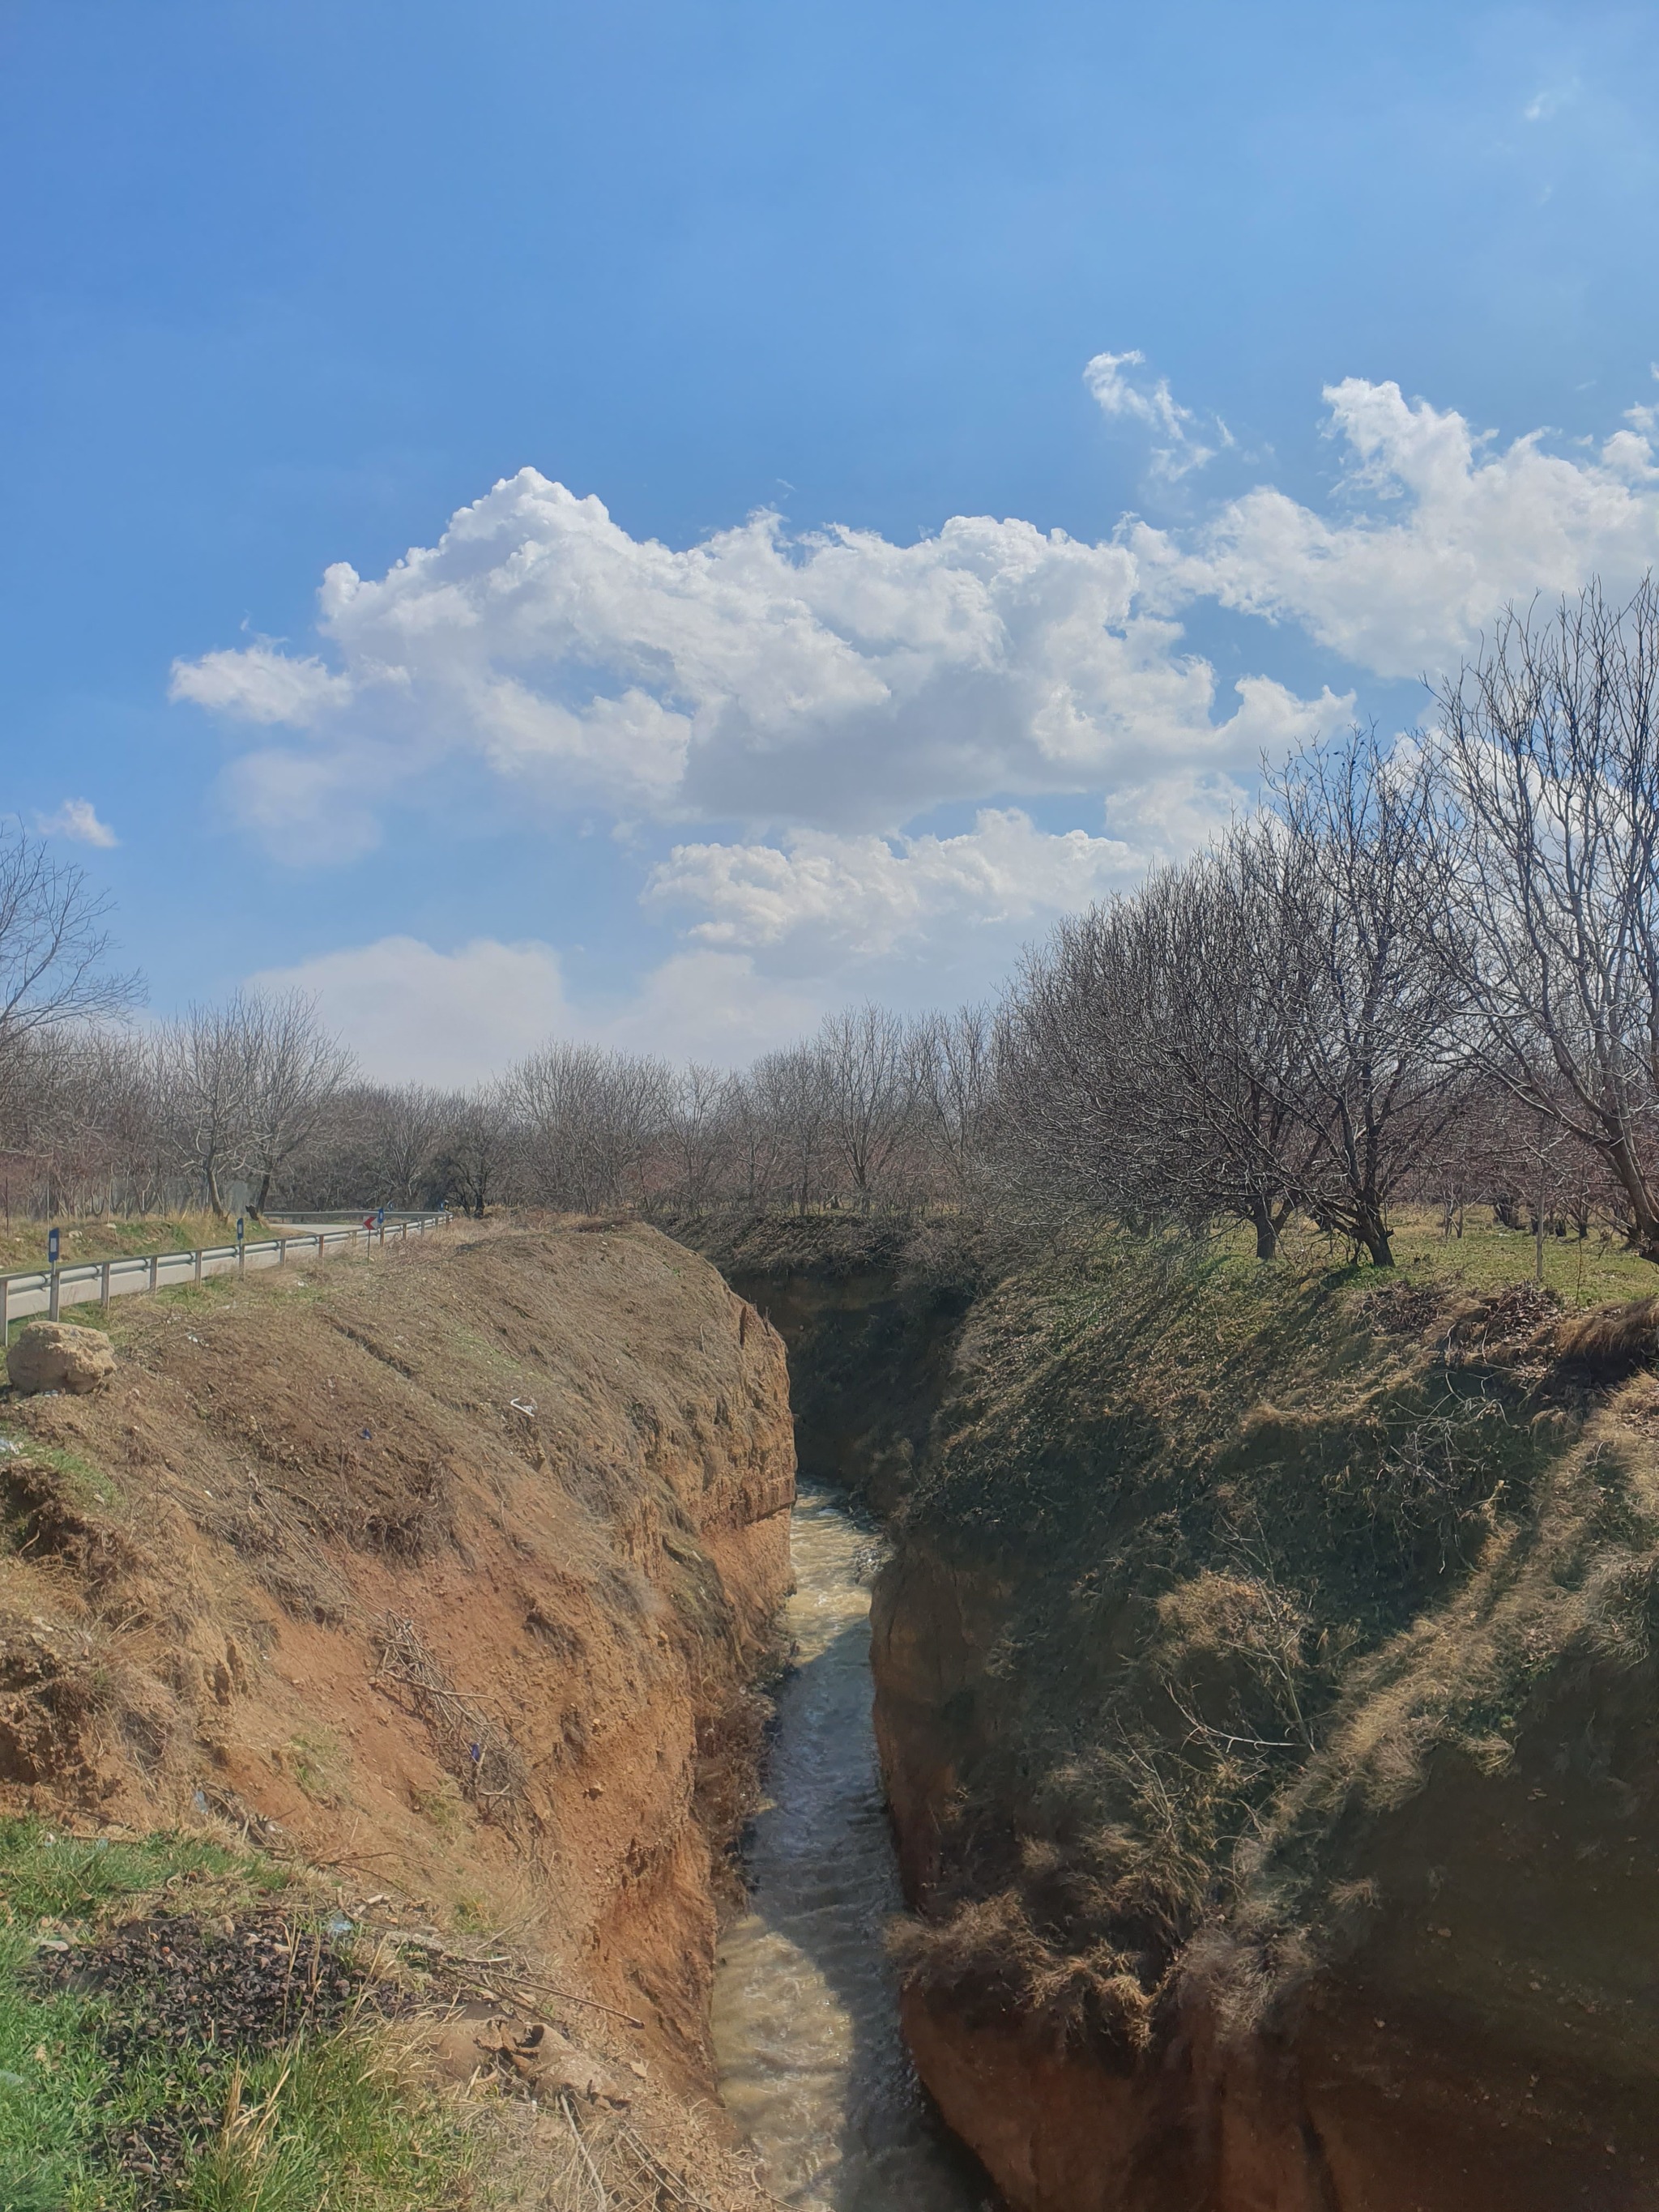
449 1570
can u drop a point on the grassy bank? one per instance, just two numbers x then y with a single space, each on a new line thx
1251 1550
23 1243
178 2027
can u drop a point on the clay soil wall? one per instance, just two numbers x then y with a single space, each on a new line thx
450 1570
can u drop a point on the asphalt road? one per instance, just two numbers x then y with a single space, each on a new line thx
82 1283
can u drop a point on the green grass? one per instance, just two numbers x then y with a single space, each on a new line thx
23 1243
84 1484
320 2126
1582 1272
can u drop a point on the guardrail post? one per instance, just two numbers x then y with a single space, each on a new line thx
198 1263
281 1250
52 1294
103 1286
5 1310
155 1270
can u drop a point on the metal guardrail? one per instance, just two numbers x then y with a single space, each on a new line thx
34 1287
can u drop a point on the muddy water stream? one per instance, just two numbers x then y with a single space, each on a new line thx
805 2021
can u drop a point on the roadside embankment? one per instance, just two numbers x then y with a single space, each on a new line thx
1269 1704
448 1571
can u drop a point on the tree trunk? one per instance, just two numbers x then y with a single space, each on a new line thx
1374 1236
1266 1234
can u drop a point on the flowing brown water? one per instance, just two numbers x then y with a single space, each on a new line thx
806 2030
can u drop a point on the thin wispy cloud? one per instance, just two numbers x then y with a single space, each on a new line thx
76 819
1185 441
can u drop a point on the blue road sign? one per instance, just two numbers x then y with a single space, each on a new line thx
241 1228
52 1248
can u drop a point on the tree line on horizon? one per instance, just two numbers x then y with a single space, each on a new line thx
1426 972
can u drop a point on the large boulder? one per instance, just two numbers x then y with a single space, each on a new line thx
55 1355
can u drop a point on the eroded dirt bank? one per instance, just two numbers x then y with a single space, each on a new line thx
1267 1695
871 1310
449 1570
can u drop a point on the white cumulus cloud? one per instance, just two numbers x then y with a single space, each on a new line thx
1436 529
836 680
823 896
77 818
412 1013
815 698
258 684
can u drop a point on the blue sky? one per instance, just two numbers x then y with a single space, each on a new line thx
289 286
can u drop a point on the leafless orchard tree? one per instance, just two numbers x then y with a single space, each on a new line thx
1549 759
402 1129
699 1133
1259 1031
788 1093
1352 844
55 951
206 1076
296 1069
956 1059
477 1148
1143 1069
872 1074
590 1122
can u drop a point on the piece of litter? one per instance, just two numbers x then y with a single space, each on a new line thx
7 1448
51 1943
202 1805
523 1405
337 1924
10 2081
367 1433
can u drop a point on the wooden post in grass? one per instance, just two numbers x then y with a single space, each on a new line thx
52 1266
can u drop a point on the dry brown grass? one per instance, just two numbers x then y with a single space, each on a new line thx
1252 1558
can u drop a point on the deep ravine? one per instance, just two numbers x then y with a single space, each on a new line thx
812 2063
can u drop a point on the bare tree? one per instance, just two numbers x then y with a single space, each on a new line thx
1549 750
296 1070
870 1075
476 1147
790 1095
54 951
402 1129
1148 1057
207 1074
956 1086
590 1121
697 1133
1354 864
